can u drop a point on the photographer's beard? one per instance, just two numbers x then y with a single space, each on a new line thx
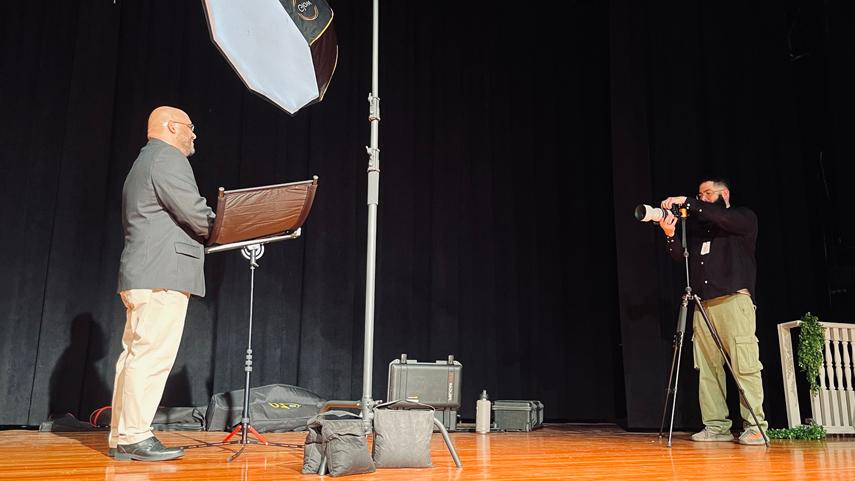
719 201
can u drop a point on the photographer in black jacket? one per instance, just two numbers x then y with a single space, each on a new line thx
721 242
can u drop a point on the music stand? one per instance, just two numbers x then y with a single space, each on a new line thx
247 219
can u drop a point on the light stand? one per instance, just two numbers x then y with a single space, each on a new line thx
674 375
366 403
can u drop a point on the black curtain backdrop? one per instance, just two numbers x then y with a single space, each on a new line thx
513 154
742 91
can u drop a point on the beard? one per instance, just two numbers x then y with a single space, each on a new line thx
189 147
719 201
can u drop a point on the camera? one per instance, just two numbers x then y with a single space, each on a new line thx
646 213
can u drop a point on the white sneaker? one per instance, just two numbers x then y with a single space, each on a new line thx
752 437
708 435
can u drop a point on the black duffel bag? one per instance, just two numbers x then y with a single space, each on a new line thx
272 408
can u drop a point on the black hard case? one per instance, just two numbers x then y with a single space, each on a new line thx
515 415
436 384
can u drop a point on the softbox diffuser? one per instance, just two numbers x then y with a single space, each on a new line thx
283 50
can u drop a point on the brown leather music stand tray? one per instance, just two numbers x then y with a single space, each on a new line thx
259 215
247 219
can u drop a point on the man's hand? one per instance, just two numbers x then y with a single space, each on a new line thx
670 201
669 223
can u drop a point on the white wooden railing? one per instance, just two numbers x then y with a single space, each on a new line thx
834 405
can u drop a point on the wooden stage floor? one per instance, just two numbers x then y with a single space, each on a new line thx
558 451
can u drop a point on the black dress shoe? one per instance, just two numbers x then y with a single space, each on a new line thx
111 452
147 450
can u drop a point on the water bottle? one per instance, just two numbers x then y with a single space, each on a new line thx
482 414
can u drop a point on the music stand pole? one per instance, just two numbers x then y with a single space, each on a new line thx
252 251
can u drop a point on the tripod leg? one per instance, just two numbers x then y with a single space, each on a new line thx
258 436
232 434
235 455
676 383
671 389
727 362
668 389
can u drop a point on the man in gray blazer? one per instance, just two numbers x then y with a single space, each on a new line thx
165 221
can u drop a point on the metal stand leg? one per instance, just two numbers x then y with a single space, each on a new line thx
675 367
726 358
448 442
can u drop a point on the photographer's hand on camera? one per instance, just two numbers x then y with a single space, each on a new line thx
669 224
670 202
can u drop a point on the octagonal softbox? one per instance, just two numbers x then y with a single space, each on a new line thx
283 50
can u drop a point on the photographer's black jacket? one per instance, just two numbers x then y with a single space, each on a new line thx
730 264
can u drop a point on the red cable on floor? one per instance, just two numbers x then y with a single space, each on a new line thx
93 418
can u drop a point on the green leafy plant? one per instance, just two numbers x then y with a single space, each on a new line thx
811 340
810 431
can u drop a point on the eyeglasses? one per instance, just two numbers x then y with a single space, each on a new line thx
189 126
708 193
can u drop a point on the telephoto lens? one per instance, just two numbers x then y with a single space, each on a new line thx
646 213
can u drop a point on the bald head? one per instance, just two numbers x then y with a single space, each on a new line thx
174 127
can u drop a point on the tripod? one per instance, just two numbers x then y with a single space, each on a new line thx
674 375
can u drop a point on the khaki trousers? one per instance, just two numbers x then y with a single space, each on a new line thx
153 327
734 320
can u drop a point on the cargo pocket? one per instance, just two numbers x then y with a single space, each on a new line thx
747 355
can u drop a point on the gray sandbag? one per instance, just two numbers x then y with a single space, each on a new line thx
346 447
313 448
402 434
340 437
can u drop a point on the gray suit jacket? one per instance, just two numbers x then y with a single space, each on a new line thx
164 219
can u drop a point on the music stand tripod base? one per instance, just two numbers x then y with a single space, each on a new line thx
252 252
